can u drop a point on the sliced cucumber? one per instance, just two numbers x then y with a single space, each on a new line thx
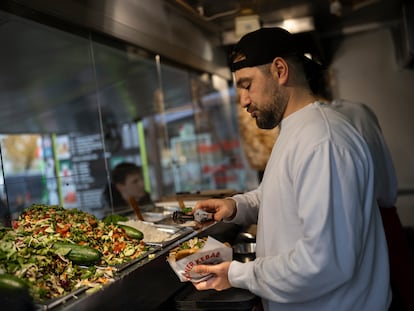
11 282
82 255
132 232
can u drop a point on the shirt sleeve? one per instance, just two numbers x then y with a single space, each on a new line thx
247 207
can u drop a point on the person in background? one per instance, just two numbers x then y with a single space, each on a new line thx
320 242
401 257
126 182
366 122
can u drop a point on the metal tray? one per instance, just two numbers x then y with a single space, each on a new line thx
49 305
176 234
155 217
120 269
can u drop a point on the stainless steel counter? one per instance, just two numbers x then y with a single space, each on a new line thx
147 284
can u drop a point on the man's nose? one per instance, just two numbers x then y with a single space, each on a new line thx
244 99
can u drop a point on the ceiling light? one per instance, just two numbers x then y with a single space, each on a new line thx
295 25
336 8
245 24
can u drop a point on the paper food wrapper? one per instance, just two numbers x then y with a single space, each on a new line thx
213 252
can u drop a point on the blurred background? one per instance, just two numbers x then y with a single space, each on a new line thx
85 85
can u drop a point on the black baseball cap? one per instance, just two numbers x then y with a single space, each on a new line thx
261 46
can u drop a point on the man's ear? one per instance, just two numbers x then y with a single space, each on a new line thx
280 70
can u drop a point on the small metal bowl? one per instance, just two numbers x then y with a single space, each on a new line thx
244 252
244 248
247 237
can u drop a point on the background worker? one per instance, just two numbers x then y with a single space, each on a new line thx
126 182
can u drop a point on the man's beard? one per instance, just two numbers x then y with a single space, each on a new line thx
272 115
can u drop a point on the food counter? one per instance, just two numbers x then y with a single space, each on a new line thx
142 286
145 283
148 284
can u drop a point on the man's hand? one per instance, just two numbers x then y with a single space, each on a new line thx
222 208
219 281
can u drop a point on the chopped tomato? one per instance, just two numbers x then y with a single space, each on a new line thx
63 229
118 247
92 221
15 224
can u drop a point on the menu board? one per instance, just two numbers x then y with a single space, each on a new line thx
81 169
50 170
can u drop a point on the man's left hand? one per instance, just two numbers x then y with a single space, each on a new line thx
219 280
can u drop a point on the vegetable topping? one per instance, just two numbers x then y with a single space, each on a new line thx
49 243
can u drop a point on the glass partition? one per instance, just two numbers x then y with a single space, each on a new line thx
75 104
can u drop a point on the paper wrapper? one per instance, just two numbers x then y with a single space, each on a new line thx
213 252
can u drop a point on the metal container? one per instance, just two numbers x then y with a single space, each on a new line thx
244 252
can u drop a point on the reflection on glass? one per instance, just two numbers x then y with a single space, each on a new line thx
203 151
78 104
22 162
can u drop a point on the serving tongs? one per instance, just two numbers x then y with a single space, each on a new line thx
134 205
199 216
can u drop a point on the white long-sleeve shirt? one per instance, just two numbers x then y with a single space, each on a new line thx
320 241
366 122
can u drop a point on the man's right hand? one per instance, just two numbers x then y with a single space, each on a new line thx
222 208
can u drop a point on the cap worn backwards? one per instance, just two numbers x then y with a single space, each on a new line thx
262 46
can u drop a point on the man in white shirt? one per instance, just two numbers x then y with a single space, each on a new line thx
320 240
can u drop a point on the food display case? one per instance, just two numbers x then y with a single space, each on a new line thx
78 111
147 282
